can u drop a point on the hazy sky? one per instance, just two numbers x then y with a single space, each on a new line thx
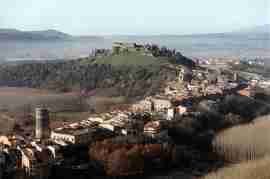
134 17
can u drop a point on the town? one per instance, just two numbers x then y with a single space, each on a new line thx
74 146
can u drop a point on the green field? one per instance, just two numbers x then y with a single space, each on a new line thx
135 59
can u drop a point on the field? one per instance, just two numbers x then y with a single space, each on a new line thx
131 59
246 150
257 169
244 142
18 99
17 107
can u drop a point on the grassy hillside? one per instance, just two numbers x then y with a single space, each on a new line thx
258 169
22 99
130 59
125 74
244 142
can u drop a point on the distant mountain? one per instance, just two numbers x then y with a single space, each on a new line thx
51 34
14 34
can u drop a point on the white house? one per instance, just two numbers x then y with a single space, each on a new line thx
74 136
170 113
161 104
143 105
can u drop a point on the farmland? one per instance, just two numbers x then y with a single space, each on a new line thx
16 99
17 106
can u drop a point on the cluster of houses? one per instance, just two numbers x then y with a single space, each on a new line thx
37 155
250 90
197 83
33 157
255 61
120 47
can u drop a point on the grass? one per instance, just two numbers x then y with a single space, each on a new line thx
133 59
246 149
257 169
245 142
20 102
20 99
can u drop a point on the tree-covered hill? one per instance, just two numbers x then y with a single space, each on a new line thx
123 74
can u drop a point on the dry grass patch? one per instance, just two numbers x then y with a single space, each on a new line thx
257 169
245 142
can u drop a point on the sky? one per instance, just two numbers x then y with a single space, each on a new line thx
137 17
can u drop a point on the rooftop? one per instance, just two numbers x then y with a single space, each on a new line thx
77 128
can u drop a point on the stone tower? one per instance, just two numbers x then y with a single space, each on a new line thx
42 123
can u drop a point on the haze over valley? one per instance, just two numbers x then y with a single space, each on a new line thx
52 44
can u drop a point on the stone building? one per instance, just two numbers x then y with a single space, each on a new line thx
185 75
145 105
161 104
42 123
155 129
134 127
120 47
75 133
116 124
72 136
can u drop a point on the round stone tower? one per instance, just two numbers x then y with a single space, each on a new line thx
42 123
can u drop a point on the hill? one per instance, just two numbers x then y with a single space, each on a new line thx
14 34
136 57
44 35
120 75
133 59
51 34
124 70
